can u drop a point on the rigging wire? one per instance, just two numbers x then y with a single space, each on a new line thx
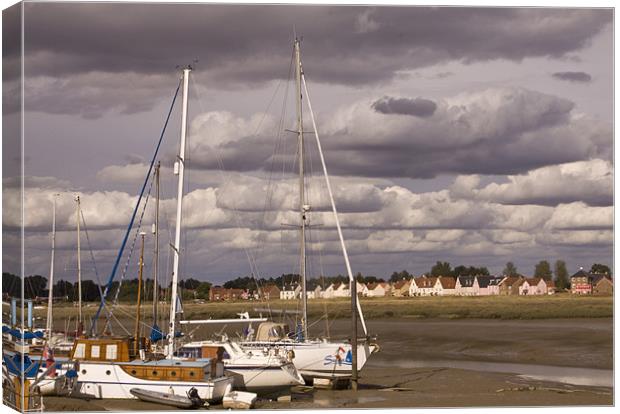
131 250
255 273
120 253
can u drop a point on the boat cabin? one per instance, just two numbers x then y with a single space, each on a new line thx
114 349
119 351
203 351
271 331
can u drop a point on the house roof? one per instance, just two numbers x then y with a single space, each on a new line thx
402 283
596 279
581 273
447 282
466 281
484 281
425 282
511 280
533 281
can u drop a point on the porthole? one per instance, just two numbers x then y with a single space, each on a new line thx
173 373
83 371
108 372
191 373
133 372
154 372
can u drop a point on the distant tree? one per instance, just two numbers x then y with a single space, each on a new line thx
11 285
396 276
543 269
561 275
600 269
90 291
469 271
34 286
190 284
202 292
441 269
510 270
64 288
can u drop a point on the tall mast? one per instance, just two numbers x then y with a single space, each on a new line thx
303 208
80 328
50 295
179 169
140 267
156 252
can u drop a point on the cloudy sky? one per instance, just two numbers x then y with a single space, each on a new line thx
470 135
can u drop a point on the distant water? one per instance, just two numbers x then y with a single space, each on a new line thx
566 375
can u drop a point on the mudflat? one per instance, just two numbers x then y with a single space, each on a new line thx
418 366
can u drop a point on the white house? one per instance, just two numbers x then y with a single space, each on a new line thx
290 291
362 289
466 286
341 290
533 286
493 288
423 286
328 292
315 293
445 286
376 290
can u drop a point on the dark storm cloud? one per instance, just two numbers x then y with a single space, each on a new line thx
403 106
573 76
247 44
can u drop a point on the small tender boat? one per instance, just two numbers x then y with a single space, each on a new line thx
192 400
239 400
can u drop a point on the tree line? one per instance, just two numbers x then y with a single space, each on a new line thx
190 288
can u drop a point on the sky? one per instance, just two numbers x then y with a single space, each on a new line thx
475 136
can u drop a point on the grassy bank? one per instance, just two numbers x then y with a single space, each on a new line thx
484 307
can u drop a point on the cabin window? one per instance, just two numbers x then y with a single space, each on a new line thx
110 351
79 350
94 351
108 372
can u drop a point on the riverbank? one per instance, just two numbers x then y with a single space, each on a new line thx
455 363
559 306
403 388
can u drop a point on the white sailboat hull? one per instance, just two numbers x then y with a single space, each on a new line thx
319 359
263 379
254 371
111 381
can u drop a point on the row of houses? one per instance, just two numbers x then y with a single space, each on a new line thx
581 283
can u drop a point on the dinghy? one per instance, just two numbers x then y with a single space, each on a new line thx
192 400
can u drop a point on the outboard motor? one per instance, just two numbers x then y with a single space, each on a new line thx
192 394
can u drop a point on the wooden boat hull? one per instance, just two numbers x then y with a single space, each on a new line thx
101 380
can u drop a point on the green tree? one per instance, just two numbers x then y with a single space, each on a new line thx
441 269
600 269
510 270
396 276
561 275
202 291
543 269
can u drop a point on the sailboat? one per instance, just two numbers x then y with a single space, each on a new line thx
315 358
113 366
